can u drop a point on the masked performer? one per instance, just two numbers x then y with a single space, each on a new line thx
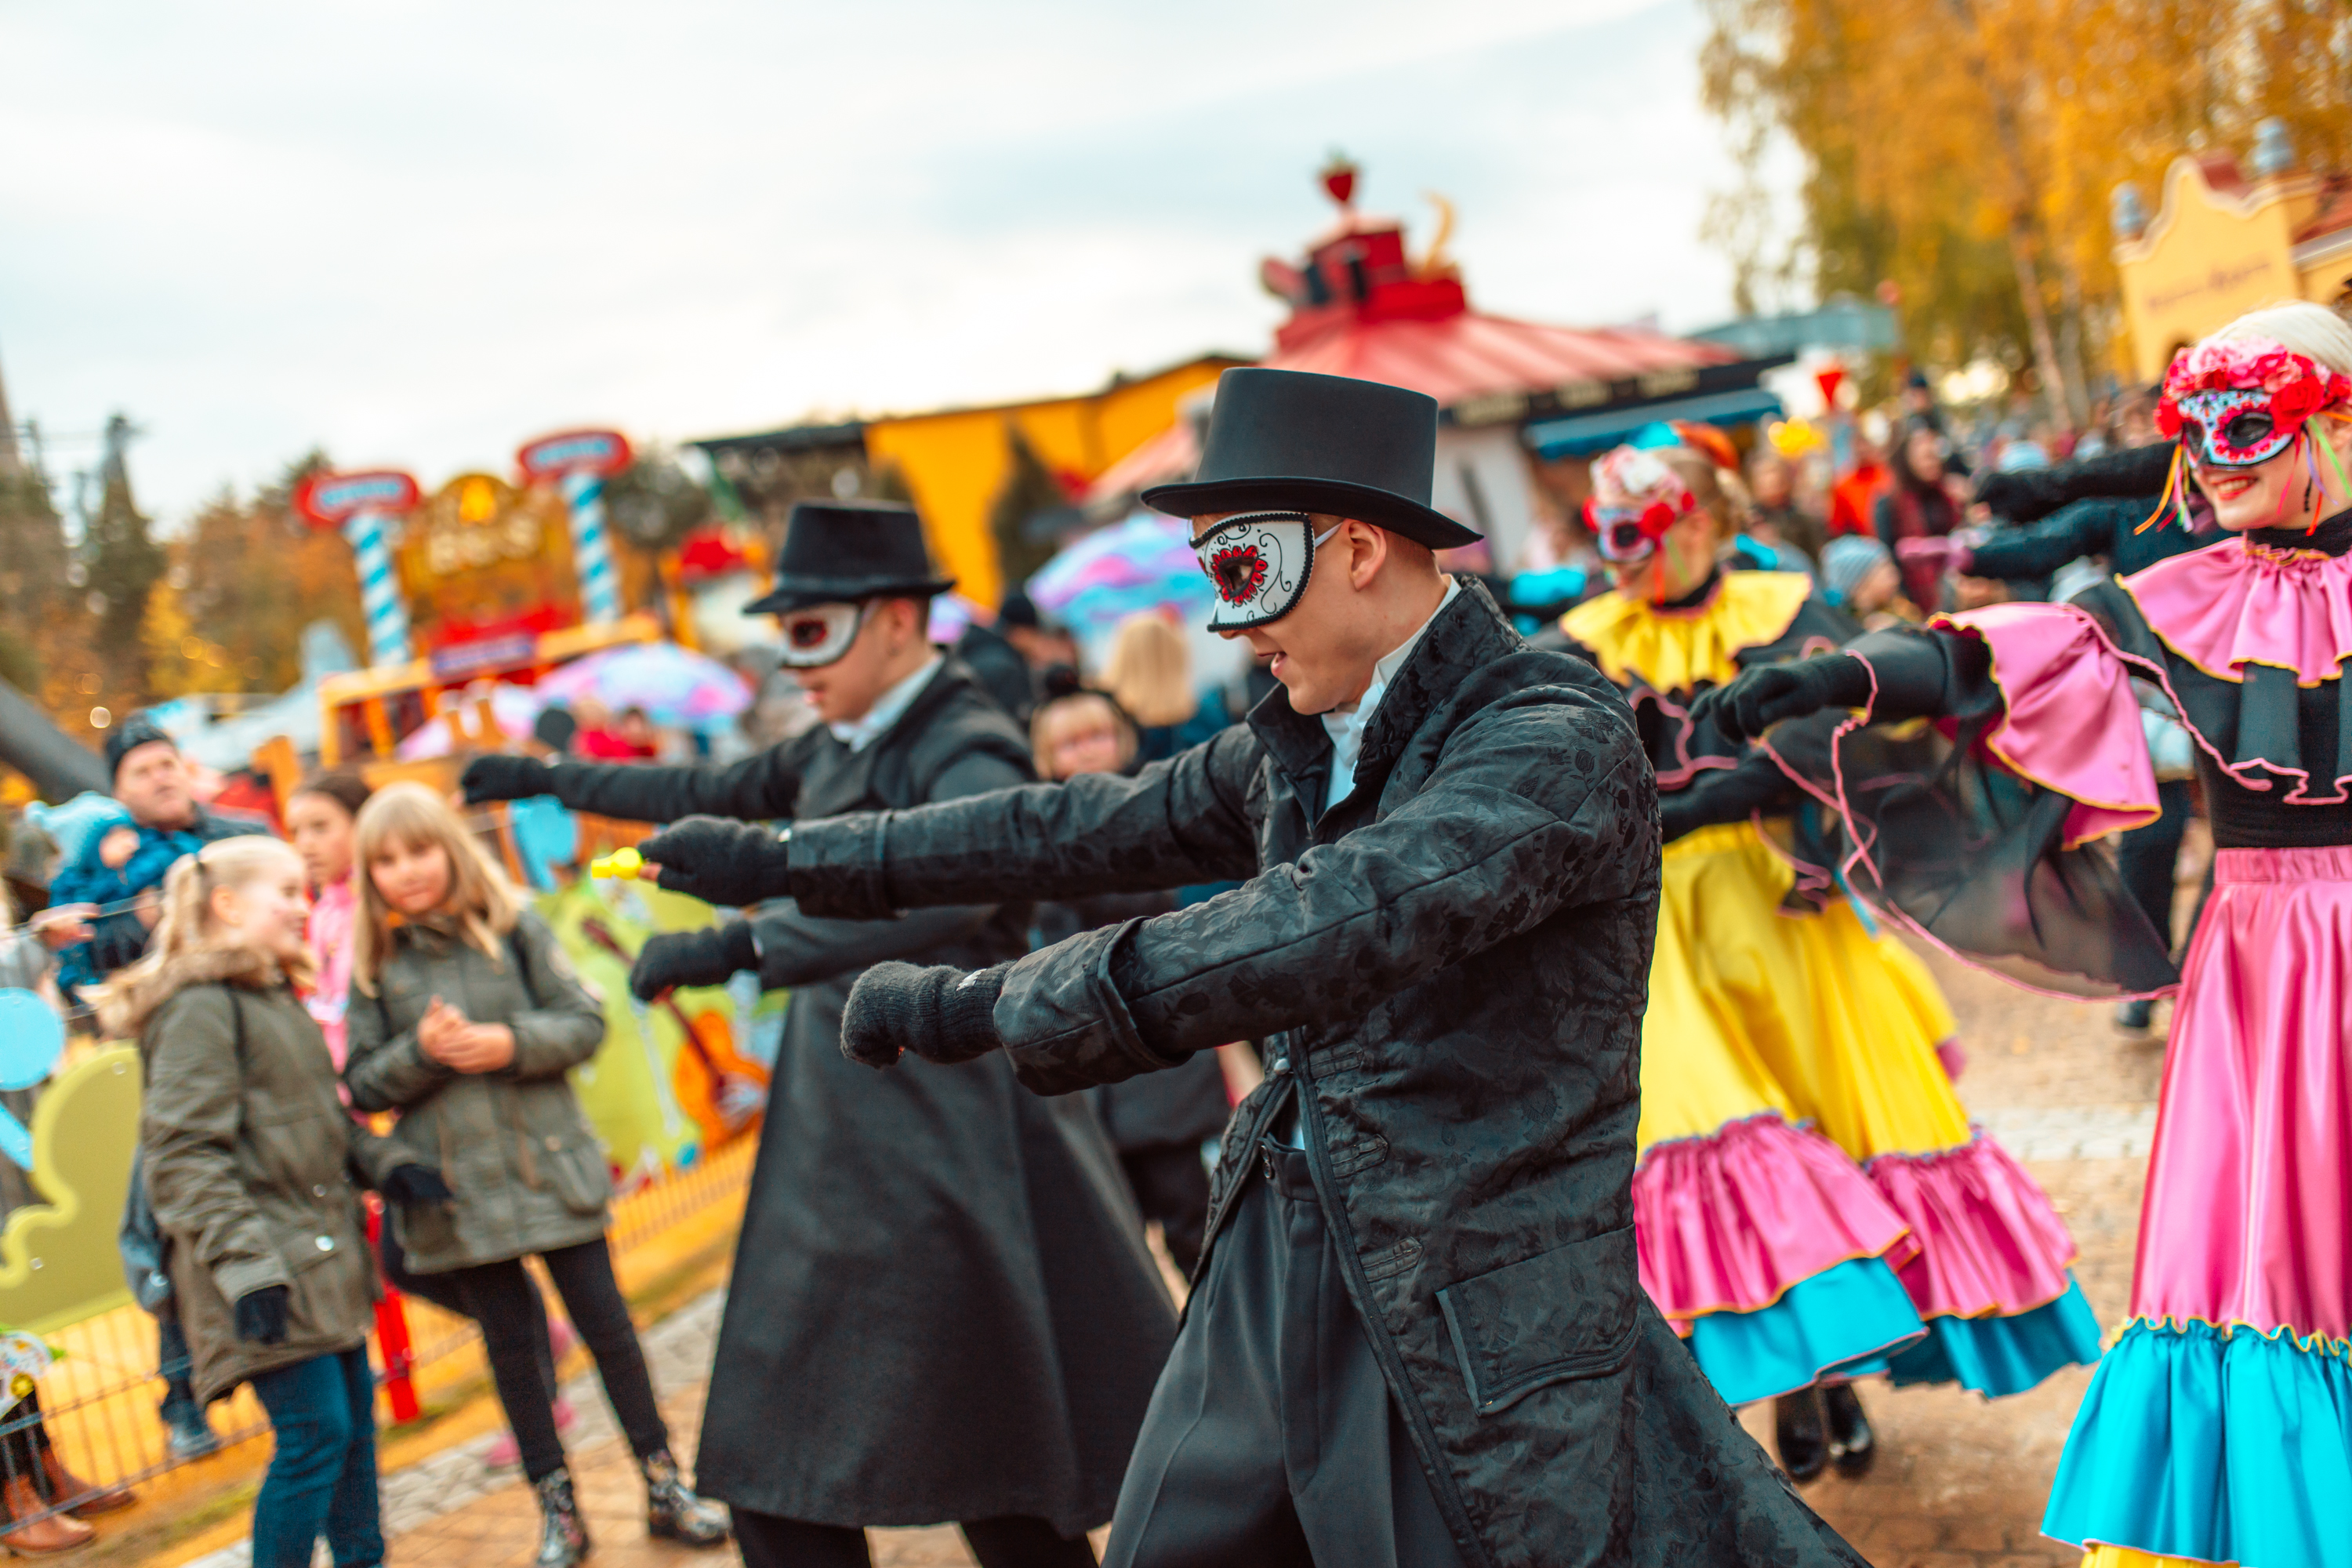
1418 1335
1772 1005
2217 1428
941 1307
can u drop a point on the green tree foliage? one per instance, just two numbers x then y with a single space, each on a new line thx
1023 517
125 563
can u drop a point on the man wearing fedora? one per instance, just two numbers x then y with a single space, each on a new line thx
1418 1336
941 1308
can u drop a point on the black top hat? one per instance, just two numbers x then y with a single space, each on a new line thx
1290 440
839 551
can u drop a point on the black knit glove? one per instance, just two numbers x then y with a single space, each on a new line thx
941 1015
412 1186
719 861
1758 699
261 1315
505 778
706 957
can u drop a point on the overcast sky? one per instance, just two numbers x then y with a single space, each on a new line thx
417 233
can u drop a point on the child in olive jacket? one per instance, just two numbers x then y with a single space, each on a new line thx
465 1017
250 1160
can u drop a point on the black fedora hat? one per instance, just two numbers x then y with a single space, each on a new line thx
839 551
1295 441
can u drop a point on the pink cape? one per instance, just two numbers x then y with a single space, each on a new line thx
2072 721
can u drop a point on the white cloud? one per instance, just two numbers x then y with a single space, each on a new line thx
419 233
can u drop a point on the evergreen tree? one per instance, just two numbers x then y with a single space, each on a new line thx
1029 513
125 563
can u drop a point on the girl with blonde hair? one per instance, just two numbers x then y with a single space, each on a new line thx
2218 1425
248 1156
1150 676
465 1017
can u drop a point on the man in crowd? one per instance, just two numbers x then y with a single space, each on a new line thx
126 862
941 1307
1417 1337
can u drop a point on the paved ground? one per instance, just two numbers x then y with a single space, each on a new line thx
1960 1483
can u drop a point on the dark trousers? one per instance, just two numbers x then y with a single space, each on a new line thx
441 1290
1172 1185
24 1438
768 1542
1272 1441
173 1364
501 1298
321 1479
2146 858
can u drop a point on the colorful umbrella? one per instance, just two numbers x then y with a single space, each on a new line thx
1143 564
677 688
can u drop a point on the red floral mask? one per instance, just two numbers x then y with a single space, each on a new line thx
2234 403
1635 499
1259 562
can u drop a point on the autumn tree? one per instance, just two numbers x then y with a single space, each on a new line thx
246 577
1965 151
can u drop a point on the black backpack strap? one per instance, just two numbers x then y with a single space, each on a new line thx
516 946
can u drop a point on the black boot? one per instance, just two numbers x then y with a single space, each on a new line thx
672 1509
1797 1433
1852 1445
564 1533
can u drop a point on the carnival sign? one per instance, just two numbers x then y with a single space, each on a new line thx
574 451
327 500
580 461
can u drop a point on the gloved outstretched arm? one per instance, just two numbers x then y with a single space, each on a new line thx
1901 673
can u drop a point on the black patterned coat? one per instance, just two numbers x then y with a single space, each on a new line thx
1451 964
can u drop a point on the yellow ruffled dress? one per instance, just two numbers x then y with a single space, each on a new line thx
1808 1029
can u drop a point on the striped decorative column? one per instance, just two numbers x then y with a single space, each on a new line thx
591 552
379 600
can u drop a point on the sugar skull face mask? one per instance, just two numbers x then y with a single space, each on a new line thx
1259 562
1635 499
2237 402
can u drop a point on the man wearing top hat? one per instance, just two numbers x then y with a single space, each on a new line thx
941 1308
1418 1336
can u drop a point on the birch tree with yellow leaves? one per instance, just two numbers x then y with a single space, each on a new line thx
1964 152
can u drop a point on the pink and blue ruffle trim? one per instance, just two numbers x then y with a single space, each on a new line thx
2232 1445
1786 1265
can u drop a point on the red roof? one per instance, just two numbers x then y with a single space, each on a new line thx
2334 213
1470 355
1362 308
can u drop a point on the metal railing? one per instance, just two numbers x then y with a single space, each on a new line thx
98 1406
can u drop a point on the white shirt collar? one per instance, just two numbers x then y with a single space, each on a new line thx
859 733
1345 724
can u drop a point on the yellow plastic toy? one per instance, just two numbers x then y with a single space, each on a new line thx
623 864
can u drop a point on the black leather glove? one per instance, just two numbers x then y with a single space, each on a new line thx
719 861
261 1315
692 958
940 1013
1758 699
410 1186
505 778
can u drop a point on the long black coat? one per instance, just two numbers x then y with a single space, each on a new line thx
1450 964
942 1306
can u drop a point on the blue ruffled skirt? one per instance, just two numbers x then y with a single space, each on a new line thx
2230 1446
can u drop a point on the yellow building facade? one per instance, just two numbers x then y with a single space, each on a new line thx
956 461
2221 246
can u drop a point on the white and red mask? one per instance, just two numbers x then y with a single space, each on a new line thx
2235 403
1259 562
1636 497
